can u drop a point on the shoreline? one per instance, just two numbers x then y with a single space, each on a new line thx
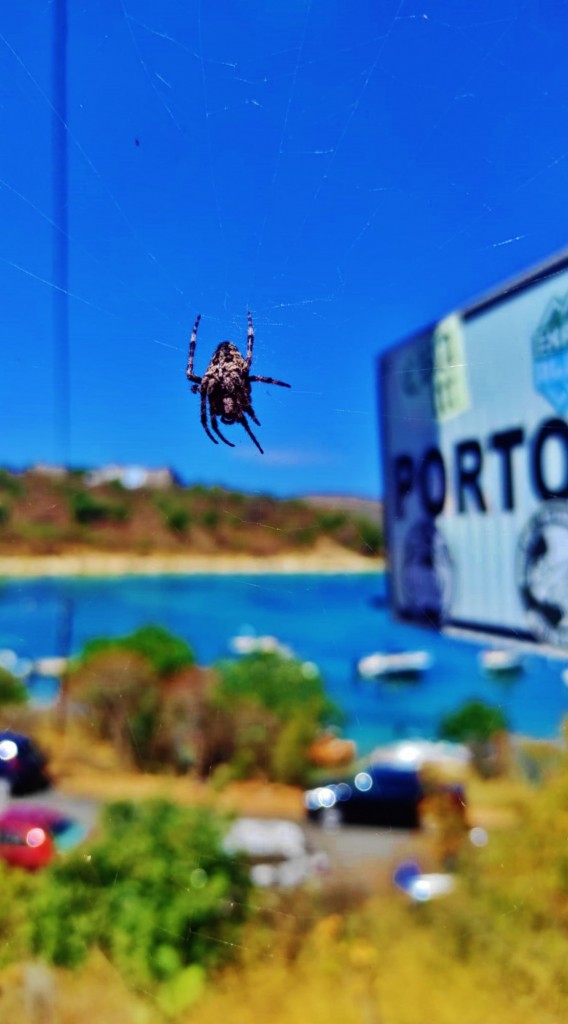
93 564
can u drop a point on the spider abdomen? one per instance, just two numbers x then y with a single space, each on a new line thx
225 387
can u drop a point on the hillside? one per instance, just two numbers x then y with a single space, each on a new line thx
44 513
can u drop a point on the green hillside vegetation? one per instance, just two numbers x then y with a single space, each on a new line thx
40 514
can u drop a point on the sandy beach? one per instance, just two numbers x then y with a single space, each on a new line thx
325 559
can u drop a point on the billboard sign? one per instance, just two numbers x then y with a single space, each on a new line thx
475 440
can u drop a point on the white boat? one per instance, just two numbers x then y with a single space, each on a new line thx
500 662
16 666
565 677
404 665
53 666
250 644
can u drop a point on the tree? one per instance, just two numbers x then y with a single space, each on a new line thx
165 652
121 691
272 708
283 686
476 724
12 691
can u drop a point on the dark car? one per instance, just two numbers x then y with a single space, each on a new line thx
384 795
22 764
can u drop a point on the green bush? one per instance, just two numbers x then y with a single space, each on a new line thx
165 652
86 509
289 761
156 893
331 521
210 518
177 519
4 513
283 686
12 691
10 484
272 708
370 536
121 692
305 536
474 722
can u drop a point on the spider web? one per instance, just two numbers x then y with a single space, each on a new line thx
315 105
280 158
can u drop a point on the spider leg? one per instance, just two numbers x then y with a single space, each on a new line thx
215 426
250 412
204 417
189 372
250 340
250 433
270 380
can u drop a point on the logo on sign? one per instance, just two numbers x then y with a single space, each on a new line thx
427 573
550 355
542 572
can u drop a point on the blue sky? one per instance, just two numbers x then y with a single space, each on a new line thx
349 171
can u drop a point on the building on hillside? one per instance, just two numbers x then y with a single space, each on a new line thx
51 472
132 477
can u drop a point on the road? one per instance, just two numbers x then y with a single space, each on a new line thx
356 853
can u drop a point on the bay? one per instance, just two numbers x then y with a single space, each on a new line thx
332 620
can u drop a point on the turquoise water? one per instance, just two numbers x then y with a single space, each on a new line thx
327 619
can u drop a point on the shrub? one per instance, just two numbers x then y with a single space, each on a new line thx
272 708
177 519
4 513
475 721
210 518
370 536
305 536
86 509
289 761
478 724
284 686
10 484
157 894
12 691
331 521
165 652
121 692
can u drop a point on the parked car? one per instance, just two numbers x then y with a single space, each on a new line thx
31 835
277 850
22 765
384 795
24 844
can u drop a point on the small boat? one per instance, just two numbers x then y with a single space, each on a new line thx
53 666
565 677
16 666
500 662
405 665
249 644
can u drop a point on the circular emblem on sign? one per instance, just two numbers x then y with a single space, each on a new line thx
427 573
542 572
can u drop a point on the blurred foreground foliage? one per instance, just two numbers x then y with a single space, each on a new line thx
156 893
493 952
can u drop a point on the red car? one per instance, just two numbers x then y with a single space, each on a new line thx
24 843
32 834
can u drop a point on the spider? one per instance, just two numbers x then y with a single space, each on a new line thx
226 385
